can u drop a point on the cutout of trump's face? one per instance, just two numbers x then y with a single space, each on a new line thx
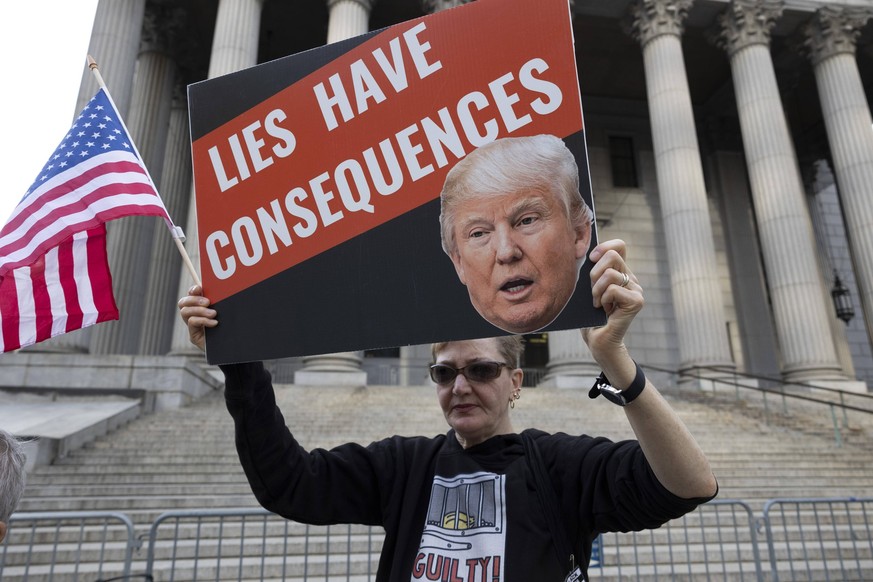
516 230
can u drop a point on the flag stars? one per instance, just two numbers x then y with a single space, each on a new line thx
97 131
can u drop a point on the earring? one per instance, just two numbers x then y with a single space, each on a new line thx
515 396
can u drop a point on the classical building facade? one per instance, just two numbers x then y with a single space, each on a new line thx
730 143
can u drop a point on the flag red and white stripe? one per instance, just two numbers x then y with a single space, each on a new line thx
68 288
54 276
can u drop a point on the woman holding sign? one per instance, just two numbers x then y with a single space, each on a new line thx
482 502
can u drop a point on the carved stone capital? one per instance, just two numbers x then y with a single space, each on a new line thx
162 28
833 31
365 4
746 23
650 18
180 94
434 6
165 31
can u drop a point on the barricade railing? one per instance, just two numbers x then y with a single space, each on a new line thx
820 538
254 544
79 545
718 541
806 539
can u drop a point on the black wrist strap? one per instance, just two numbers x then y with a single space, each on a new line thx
602 385
549 501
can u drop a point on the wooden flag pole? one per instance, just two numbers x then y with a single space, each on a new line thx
176 232
186 259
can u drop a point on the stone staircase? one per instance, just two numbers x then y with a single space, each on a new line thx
184 459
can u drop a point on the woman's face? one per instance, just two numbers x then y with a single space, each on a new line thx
477 410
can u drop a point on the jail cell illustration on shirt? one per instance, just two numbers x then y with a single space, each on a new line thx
466 507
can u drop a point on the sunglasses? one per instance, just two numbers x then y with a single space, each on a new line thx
475 372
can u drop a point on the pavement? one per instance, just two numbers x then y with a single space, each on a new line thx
55 425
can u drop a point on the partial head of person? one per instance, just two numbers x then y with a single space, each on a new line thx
477 382
515 226
12 477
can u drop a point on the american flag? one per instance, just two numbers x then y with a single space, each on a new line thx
54 275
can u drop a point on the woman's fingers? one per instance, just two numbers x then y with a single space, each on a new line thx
197 315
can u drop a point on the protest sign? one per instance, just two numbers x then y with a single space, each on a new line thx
318 180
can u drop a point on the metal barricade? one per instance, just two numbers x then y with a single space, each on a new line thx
806 539
61 546
717 541
254 544
819 539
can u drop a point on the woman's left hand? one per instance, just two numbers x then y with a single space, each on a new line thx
615 288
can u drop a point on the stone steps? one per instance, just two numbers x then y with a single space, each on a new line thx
843 480
185 459
124 503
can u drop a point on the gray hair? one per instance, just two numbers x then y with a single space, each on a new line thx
12 475
510 347
538 163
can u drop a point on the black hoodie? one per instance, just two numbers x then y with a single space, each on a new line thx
450 514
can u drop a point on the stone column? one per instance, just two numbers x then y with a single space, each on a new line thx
831 40
347 18
235 41
700 320
234 47
129 241
115 41
570 363
819 182
164 271
784 224
414 362
114 44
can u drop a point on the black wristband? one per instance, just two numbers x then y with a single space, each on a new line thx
602 385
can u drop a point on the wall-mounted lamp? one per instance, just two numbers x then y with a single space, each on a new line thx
842 300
